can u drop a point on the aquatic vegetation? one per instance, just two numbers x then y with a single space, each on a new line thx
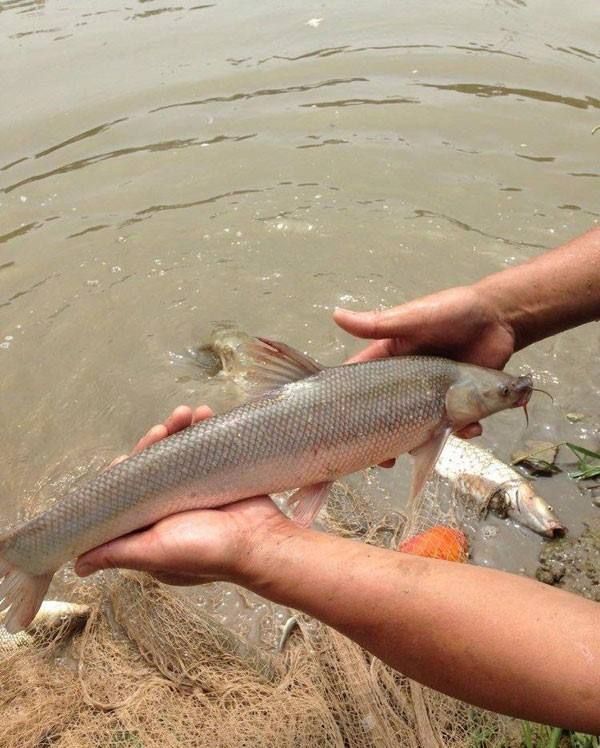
588 461
585 468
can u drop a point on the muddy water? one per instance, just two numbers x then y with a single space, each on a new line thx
163 168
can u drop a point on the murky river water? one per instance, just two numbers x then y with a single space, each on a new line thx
163 168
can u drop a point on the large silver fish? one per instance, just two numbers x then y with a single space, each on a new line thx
492 484
310 426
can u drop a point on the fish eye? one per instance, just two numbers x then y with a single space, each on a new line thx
504 391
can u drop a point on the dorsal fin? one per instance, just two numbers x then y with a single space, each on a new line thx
271 364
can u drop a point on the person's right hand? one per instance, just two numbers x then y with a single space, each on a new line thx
457 323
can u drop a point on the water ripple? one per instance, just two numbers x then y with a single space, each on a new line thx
582 54
20 231
29 290
25 6
166 145
329 141
482 89
466 227
262 92
180 206
8 166
89 230
21 34
539 159
361 102
82 136
325 52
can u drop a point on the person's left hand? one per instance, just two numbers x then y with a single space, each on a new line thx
192 547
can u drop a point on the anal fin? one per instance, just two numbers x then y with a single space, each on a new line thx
305 503
22 594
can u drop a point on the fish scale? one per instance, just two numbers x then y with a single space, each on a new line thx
303 433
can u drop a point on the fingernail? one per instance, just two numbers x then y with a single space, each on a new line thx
346 311
84 570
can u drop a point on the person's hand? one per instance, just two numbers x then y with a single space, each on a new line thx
191 547
458 323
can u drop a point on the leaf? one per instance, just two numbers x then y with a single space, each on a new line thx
592 471
538 457
583 451
586 469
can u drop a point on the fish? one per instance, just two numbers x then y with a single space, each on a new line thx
303 427
53 616
440 541
495 486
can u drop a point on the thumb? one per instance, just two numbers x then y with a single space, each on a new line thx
387 323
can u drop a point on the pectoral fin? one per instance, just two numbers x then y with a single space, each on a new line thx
305 503
425 458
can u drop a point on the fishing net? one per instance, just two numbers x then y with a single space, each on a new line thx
154 666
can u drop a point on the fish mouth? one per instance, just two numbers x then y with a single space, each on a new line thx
556 531
523 388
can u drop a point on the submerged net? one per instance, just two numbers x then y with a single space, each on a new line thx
155 667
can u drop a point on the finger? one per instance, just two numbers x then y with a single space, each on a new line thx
385 323
117 460
470 431
376 349
179 419
155 434
202 413
130 552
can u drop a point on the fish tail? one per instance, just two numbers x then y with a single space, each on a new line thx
21 593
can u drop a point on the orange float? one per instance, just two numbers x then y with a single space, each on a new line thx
439 541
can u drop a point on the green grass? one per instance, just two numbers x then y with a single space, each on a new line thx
542 736
585 468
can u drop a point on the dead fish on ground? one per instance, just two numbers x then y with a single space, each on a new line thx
492 484
52 617
305 427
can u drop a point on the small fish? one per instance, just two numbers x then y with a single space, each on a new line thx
304 427
442 542
52 616
476 473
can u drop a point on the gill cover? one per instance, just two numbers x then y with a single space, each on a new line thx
478 392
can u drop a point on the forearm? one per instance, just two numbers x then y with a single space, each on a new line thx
493 639
551 293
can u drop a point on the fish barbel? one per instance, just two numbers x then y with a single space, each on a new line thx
310 426
492 484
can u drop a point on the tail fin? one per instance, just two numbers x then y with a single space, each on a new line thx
21 594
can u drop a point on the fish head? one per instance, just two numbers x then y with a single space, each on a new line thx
525 506
478 392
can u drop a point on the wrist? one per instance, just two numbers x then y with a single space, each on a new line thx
496 295
261 549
